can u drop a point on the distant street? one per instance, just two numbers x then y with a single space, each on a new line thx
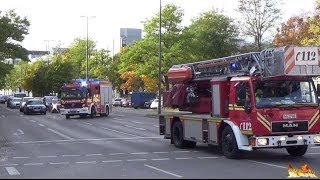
126 144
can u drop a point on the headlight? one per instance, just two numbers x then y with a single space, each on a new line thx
316 138
283 138
262 141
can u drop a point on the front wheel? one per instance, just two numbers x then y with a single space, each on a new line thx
296 151
229 143
177 135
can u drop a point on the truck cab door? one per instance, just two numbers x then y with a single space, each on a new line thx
240 105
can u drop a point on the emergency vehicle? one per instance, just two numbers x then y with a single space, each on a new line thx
86 98
245 102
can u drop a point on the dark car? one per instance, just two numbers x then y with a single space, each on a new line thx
3 99
34 106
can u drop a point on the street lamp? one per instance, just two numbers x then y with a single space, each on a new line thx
159 64
87 17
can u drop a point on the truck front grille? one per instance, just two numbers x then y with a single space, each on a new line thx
289 126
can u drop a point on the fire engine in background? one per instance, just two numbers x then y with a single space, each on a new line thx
245 102
81 98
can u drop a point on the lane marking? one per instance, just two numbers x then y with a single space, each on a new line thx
140 153
20 157
184 158
313 153
116 153
118 119
181 151
119 132
161 170
136 159
160 152
155 126
60 134
93 155
33 164
9 164
12 171
20 131
268 164
71 155
138 128
88 123
86 162
32 121
137 122
209 157
47 156
78 140
40 124
163 159
316 147
109 161
58 163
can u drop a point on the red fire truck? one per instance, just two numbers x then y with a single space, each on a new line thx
86 98
245 102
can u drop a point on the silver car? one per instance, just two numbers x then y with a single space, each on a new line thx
15 102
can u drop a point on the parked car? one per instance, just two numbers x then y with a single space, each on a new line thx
34 106
147 104
138 99
24 100
3 99
125 103
9 101
154 104
117 102
15 102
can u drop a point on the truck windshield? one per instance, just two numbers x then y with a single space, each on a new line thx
74 93
284 93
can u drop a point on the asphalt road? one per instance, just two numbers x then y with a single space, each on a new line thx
126 144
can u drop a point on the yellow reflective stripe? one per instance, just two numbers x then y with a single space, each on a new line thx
314 122
264 119
314 119
264 124
247 132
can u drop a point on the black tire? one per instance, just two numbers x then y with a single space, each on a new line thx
67 116
229 144
107 111
93 112
44 113
177 135
296 151
190 144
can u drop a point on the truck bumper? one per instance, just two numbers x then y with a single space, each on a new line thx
75 111
285 141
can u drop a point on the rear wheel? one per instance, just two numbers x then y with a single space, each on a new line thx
93 112
177 135
67 116
229 143
107 111
296 151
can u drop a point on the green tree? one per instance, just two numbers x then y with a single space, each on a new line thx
4 70
314 29
13 29
259 17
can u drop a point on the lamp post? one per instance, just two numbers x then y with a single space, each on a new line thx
87 54
159 64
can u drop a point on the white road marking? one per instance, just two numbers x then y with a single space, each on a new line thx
47 156
119 119
78 140
20 157
3 116
181 151
161 170
86 162
136 159
209 157
138 128
9 164
183 158
163 159
118 115
155 126
93 155
32 121
58 163
20 131
88 123
109 161
116 153
160 152
315 147
119 132
60 134
40 124
268 164
136 122
12 171
313 153
33 164
140 153
71 155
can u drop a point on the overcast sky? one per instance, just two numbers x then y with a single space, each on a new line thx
59 20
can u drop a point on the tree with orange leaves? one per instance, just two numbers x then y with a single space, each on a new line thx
292 32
